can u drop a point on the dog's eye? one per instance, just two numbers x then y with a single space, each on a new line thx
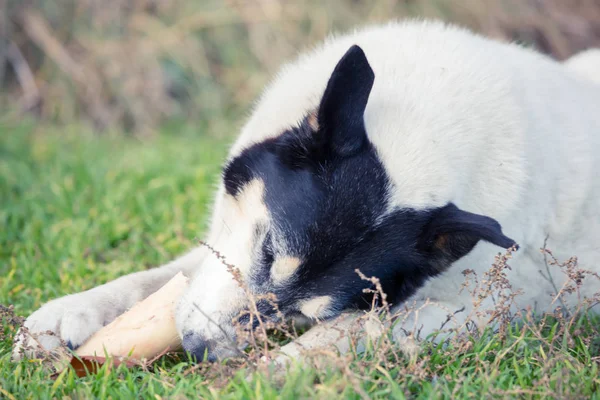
268 255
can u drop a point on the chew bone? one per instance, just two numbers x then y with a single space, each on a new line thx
144 331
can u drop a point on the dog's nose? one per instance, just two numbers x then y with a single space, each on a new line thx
199 348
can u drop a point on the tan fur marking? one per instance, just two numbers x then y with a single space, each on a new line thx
316 306
238 216
313 121
284 267
251 200
440 242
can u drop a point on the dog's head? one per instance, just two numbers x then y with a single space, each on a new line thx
299 213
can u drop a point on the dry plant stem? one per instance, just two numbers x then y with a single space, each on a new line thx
143 332
260 333
548 275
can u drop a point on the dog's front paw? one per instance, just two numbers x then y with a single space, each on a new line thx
69 321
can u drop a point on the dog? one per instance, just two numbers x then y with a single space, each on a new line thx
412 151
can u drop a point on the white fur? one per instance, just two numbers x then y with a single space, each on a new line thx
497 129
586 63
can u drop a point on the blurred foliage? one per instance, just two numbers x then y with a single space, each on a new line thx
130 65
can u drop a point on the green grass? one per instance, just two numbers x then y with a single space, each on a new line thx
78 210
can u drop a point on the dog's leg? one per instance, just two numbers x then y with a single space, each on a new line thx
353 330
423 318
74 318
328 335
349 332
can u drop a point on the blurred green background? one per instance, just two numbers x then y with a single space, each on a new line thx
130 66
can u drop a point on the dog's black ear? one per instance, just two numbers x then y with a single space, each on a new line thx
341 111
452 233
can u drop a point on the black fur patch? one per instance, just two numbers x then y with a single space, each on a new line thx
240 171
452 233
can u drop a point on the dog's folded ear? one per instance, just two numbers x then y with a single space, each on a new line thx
452 233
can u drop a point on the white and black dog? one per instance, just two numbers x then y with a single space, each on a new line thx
401 150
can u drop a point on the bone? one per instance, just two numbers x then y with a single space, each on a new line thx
143 332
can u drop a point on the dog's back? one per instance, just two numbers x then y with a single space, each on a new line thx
586 63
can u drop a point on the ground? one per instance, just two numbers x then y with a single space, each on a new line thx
78 210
